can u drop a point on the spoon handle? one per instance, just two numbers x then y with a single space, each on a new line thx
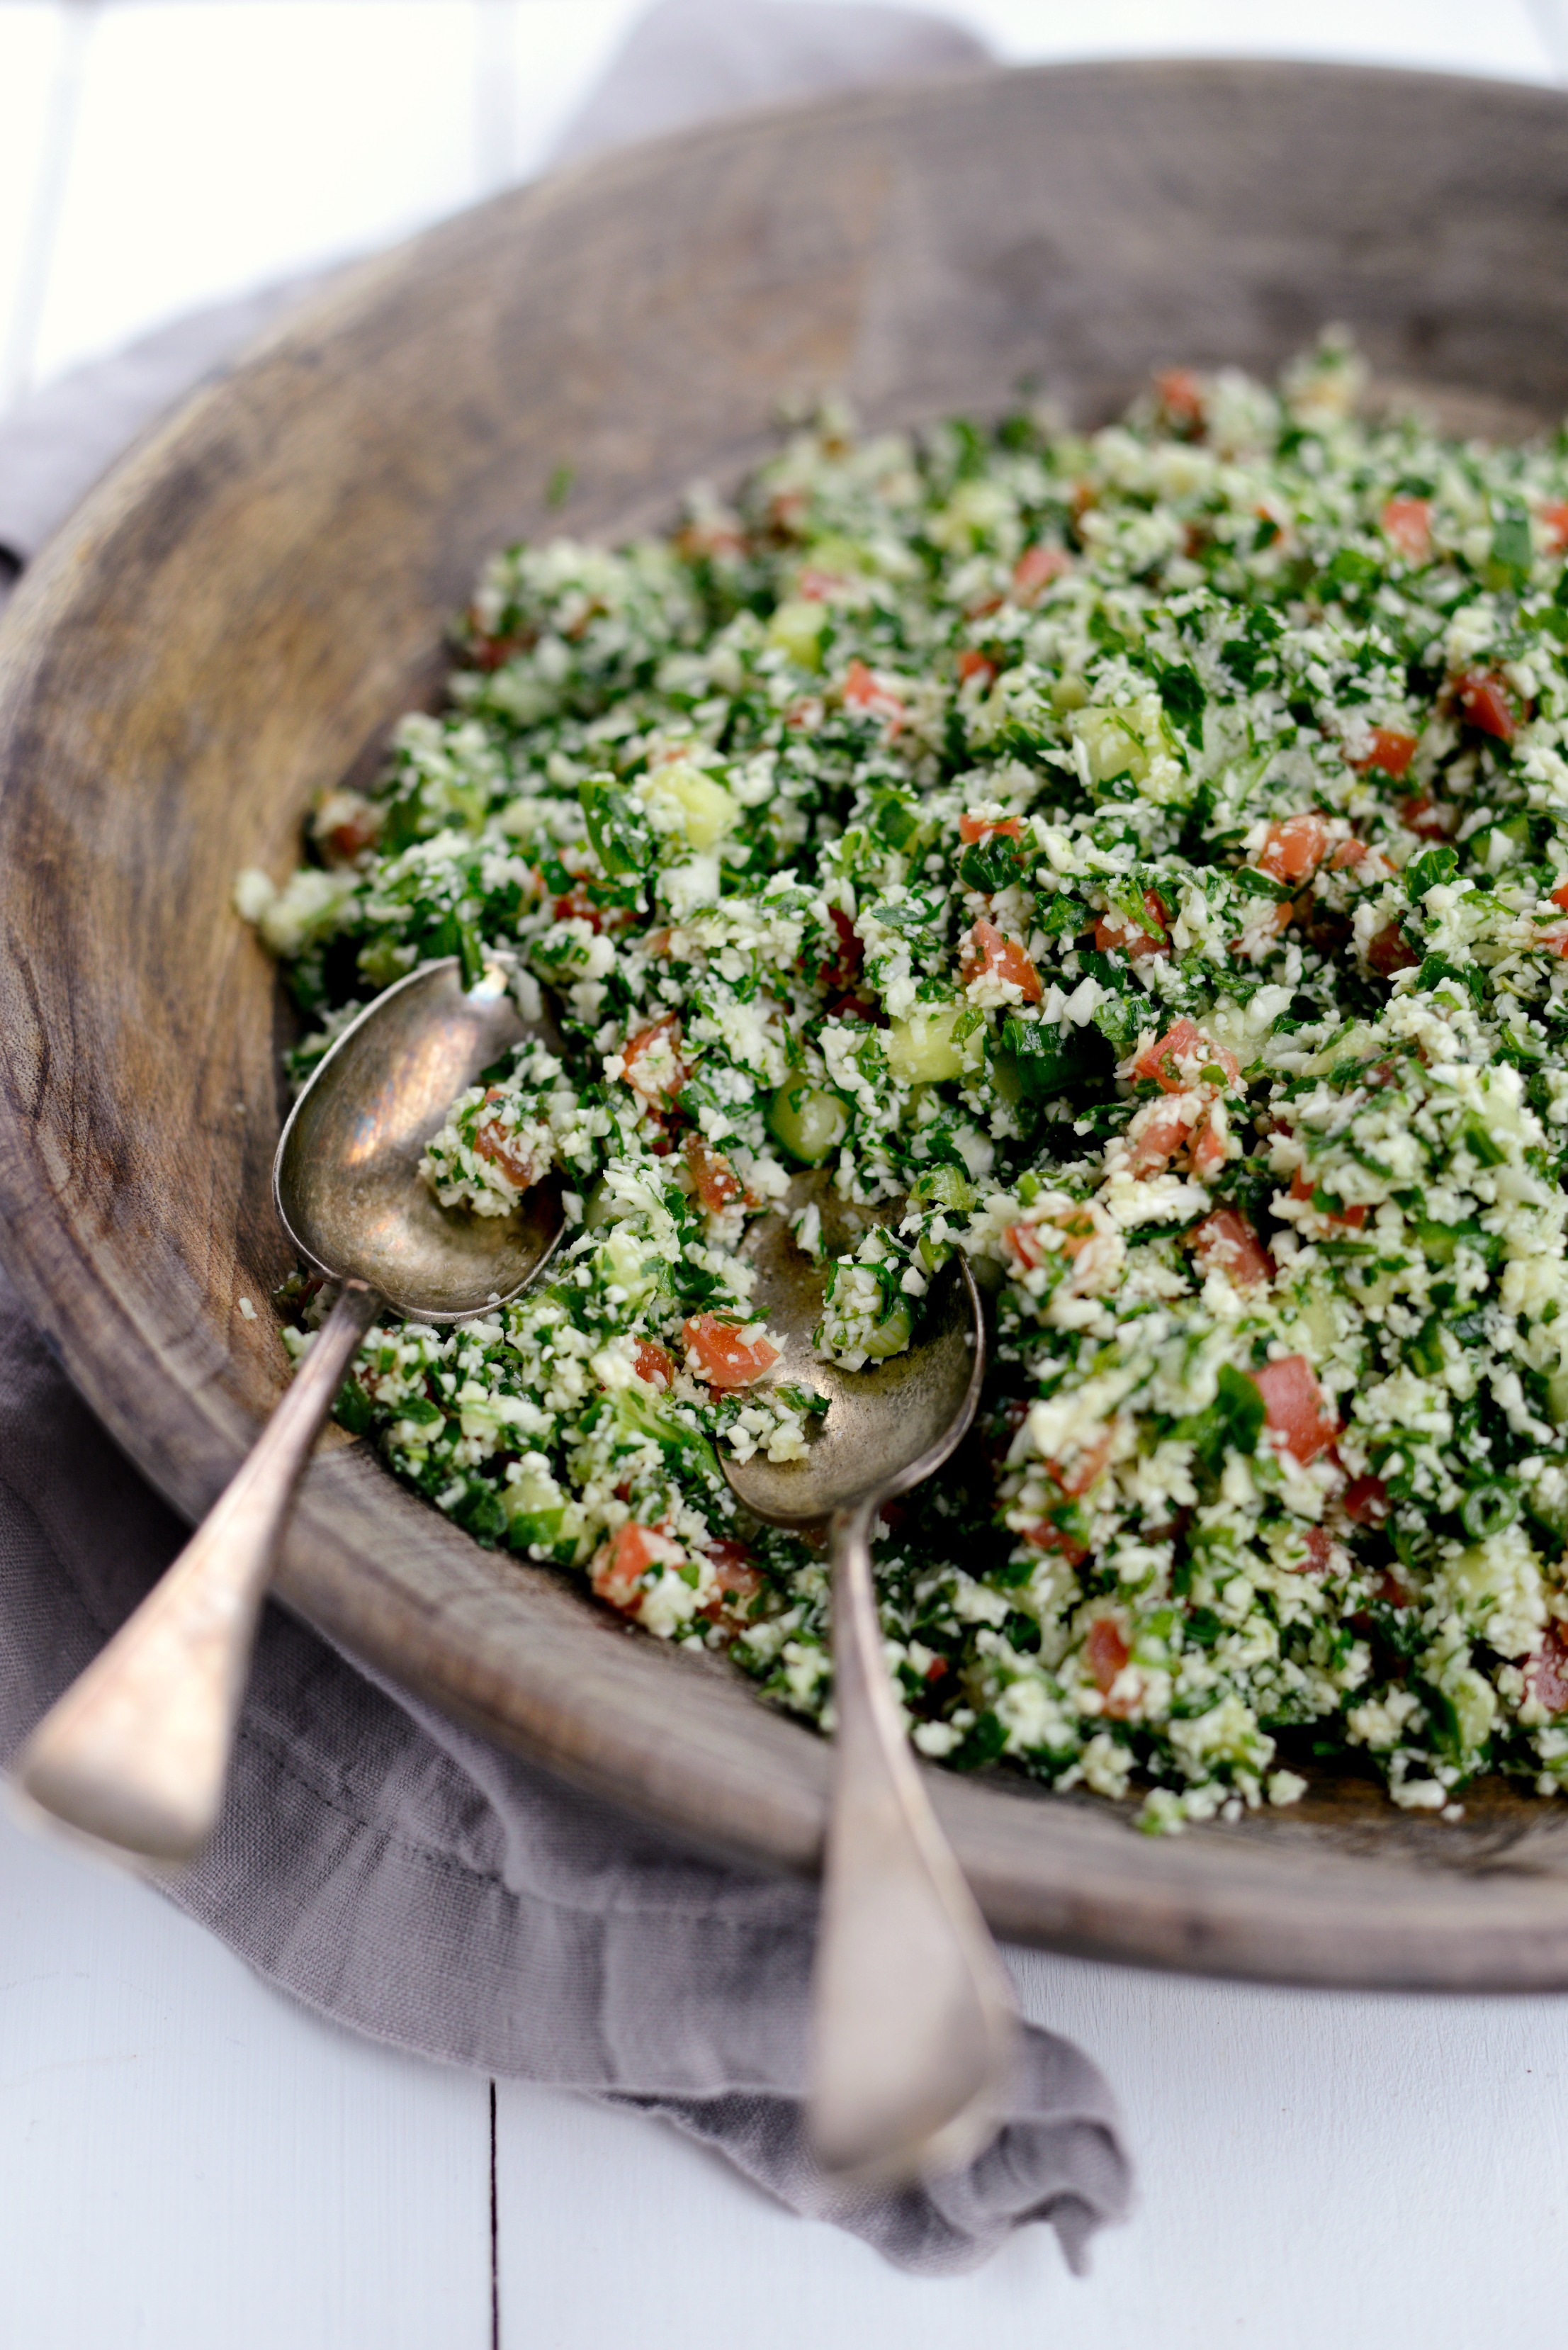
136 1751
914 2021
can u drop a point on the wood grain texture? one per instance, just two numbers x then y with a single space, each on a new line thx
232 621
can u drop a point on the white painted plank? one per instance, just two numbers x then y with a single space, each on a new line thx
189 2161
1510 38
1313 2169
555 50
221 145
33 51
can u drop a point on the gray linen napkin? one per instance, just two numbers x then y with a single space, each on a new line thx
382 1866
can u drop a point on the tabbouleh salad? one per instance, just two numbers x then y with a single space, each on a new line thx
1147 852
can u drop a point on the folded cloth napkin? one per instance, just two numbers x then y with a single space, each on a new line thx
389 1869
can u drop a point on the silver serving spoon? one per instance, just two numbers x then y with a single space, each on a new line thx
137 1750
914 2021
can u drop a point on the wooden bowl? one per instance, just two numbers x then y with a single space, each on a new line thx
235 617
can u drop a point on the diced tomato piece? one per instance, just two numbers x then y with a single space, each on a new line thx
1488 702
971 663
786 511
620 1563
1265 922
1181 397
1430 819
1554 523
1391 751
506 1151
1303 1186
732 1564
723 1355
654 1362
353 831
1046 1536
1293 1407
860 690
714 536
1034 570
576 906
1547 1671
815 586
843 967
1390 951
1120 934
1157 1061
1366 1500
492 652
671 750
985 827
1076 1227
1105 1653
1293 849
1086 1469
653 1067
1348 853
1194 1122
1025 1245
1560 895
1182 1042
986 953
1408 523
578 611
713 1179
1226 1243
1318 1545
1158 1132
1210 1147
738 1578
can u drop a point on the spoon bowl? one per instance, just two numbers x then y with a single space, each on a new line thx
887 1428
346 1177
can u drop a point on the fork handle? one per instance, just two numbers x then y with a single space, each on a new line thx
914 2025
135 1753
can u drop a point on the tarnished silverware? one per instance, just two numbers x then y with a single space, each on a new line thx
137 1750
914 2020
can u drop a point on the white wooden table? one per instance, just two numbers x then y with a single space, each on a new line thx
187 2161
